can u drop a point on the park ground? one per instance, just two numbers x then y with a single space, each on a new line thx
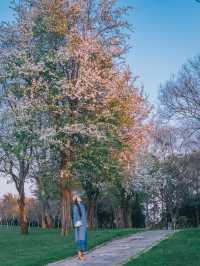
182 249
43 246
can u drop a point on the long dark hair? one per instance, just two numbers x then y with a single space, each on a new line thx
79 208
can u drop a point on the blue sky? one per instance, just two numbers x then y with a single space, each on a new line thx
167 34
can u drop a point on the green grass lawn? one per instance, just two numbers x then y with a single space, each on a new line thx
43 246
182 249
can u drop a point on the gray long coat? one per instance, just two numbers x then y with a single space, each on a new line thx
80 232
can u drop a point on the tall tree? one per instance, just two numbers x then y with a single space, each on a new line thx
16 140
180 97
70 80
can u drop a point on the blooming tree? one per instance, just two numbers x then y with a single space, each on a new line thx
61 63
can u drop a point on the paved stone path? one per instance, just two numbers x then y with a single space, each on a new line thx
119 251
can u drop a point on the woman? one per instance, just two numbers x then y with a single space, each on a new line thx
80 225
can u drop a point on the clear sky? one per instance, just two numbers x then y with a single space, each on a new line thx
167 34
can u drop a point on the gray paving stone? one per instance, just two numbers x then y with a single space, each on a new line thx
119 251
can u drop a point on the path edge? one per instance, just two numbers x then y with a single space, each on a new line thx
168 236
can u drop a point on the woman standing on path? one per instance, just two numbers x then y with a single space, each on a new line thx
80 225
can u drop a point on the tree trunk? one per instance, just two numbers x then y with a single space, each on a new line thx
174 222
126 216
65 181
66 212
22 214
47 220
147 216
119 219
91 214
126 212
197 217
43 222
173 219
